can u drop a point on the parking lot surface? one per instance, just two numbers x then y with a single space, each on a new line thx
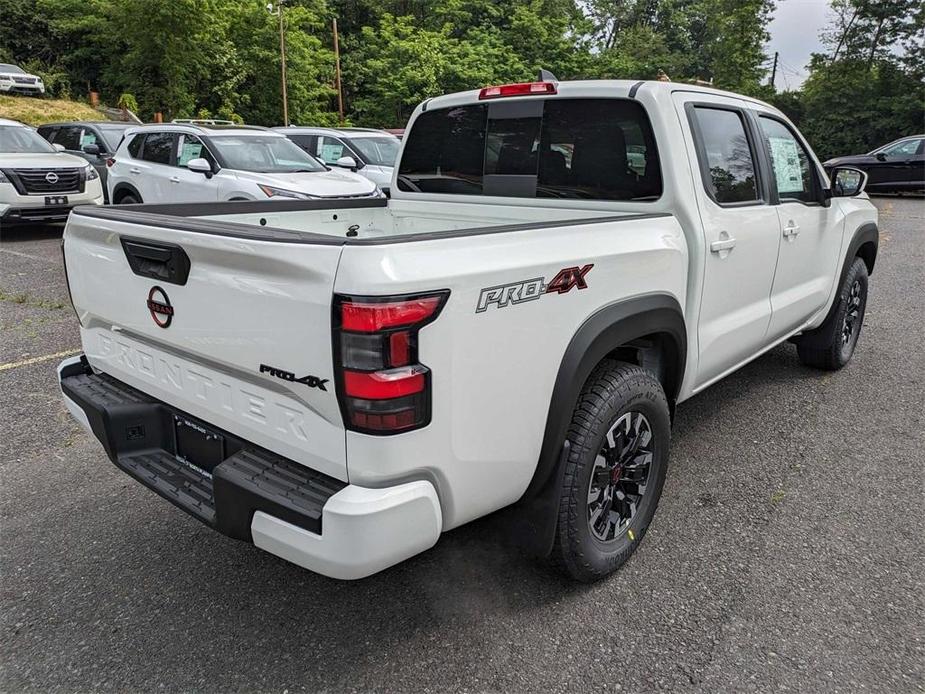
788 552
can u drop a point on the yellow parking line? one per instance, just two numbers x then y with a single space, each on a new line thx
36 360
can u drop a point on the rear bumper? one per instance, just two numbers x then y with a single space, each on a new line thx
313 520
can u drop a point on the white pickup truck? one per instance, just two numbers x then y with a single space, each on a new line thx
559 266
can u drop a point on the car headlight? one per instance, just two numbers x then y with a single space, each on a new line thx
271 192
92 175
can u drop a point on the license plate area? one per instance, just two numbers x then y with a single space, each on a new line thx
198 445
52 200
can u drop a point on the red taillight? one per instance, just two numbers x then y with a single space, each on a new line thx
110 162
382 388
371 318
519 89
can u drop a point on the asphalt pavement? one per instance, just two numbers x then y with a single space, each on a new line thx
788 552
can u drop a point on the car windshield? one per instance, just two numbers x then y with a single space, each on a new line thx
264 154
16 139
378 151
6 67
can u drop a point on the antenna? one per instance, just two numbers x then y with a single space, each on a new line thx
546 76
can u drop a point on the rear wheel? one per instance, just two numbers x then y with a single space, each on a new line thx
619 439
832 344
128 199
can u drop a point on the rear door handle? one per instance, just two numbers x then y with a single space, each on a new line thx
791 229
724 245
134 171
175 179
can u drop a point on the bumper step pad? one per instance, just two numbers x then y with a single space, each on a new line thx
138 433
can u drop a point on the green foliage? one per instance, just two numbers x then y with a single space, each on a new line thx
222 57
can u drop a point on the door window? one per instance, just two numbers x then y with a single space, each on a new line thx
793 169
306 142
88 137
330 149
191 147
906 148
134 147
158 148
69 138
727 161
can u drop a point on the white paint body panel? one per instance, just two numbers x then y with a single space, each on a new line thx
249 302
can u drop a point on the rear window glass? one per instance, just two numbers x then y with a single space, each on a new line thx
599 149
134 147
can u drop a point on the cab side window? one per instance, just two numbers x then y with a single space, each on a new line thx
793 169
727 161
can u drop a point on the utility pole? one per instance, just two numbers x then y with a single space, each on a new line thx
282 57
340 93
774 71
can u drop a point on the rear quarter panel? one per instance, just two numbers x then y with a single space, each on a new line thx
493 371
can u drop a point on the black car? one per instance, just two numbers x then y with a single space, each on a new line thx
898 166
94 141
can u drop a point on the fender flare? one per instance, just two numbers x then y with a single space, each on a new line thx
864 243
126 187
605 330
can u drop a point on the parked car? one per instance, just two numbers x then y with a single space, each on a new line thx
91 140
197 163
39 182
896 167
371 153
340 381
15 80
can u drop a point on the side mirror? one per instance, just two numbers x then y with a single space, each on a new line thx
880 156
91 149
200 165
60 148
348 163
847 182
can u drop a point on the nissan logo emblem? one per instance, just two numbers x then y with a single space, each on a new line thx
160 308
51 177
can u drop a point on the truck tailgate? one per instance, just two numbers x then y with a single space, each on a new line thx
243 343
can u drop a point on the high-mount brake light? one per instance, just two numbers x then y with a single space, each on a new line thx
381 386
518 89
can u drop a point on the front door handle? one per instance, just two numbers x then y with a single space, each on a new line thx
723 245
792 229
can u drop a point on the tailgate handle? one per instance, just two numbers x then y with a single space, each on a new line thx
165 262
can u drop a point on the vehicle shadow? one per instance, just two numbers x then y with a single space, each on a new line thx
30 232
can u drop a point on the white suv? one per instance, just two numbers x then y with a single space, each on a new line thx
15 80
38 182
371 153
199 163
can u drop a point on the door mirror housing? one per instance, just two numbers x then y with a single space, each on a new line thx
847 182
60 148
91 149
200 165
348 163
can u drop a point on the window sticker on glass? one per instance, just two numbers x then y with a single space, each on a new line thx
188 152
786 158
87 138
331 152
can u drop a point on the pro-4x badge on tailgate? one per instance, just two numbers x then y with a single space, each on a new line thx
310 381
529 290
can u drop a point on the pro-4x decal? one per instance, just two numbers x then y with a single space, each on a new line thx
530 290
310 381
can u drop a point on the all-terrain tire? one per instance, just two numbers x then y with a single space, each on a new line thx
614 391
831 345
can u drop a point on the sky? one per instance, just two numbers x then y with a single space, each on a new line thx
795 35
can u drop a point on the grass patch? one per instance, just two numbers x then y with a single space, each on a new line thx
32 301
32 111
